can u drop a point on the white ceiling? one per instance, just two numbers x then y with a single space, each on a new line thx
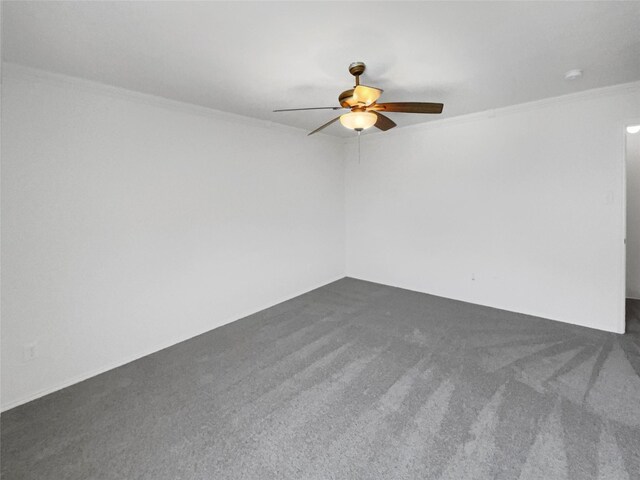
250 58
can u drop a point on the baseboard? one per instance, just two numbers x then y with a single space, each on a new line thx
85 376
497 307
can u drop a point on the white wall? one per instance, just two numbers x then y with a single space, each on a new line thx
520 208
633 215
131 223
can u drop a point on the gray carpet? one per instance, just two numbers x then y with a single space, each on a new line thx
351 381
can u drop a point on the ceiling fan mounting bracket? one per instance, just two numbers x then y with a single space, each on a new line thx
357 68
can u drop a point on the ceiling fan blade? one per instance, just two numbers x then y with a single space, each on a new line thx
366 95
309 108
408 107
323 126
384 123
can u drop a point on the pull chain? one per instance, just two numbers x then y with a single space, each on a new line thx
359 132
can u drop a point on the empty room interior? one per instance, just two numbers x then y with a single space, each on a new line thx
320 240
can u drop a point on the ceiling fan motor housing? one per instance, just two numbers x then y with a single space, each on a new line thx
346 99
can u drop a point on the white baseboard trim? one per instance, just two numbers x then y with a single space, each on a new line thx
497 307
105 368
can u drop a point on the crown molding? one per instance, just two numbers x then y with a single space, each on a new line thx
16 70
21 71
612 90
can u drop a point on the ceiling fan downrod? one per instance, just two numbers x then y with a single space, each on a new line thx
356 69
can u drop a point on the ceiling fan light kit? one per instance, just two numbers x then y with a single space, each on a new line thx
358 121
365 111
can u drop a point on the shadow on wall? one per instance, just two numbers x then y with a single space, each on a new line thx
633 214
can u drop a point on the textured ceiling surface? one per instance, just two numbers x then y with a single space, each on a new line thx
252 57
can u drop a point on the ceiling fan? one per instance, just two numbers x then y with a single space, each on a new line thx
365 111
